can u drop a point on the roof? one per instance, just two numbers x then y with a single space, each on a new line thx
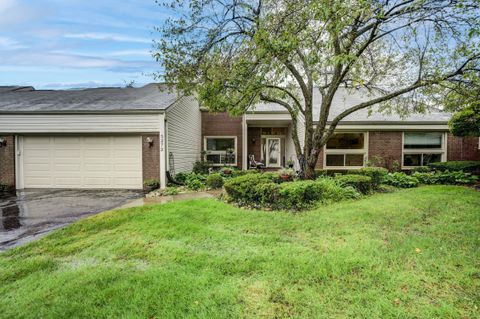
151 97
345 99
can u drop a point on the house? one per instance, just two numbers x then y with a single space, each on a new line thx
120 137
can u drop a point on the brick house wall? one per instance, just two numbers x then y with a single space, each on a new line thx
150 157
7 162
221 124
255 142
386 146
462 148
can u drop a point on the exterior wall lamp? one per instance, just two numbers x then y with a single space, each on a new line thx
149 140
3 142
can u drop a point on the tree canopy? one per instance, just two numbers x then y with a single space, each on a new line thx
406 55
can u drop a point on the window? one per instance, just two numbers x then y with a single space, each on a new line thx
221 150
423 148
345 150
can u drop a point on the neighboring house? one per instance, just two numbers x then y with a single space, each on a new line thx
117 138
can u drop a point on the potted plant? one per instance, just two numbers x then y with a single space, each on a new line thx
290 163
150 185
287 174
226 170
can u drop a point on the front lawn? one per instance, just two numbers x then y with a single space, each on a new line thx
409 254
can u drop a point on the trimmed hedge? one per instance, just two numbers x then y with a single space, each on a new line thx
377 174
361 183
261 191
400 180
465 166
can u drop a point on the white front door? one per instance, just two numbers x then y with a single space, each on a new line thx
82 161
274 152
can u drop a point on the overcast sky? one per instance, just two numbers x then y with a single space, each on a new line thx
77 43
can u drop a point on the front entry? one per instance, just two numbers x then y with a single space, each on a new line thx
273 152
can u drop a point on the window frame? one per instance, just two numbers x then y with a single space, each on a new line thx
207 152
346 152
442 150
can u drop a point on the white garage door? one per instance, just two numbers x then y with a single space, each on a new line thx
82 161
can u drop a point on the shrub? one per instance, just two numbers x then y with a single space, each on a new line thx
152 183
274 177
170 191
454 178
401 180
375 173
361 183
299 195
195 181
181 177
266 194
202 167
333 191
465 166
242 189
215 181
422 169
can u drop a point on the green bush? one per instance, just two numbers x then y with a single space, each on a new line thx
454 178
260 190
333 191
274 177
152 183
181 177
299 195
465 166
375 173
201 167
242 189
361 183
170 191
400 180
422 169
195 181
215 181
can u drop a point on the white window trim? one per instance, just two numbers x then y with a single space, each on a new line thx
363 151
442 150
205 138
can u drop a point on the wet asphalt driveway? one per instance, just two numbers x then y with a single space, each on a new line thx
33 213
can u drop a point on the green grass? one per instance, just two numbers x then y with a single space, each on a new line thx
409 254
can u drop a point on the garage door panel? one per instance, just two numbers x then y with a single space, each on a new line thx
67 153
82 162
70 168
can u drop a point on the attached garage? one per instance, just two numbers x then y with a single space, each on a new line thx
81 161
103 138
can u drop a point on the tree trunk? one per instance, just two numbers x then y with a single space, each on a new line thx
310 172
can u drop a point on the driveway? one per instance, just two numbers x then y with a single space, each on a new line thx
33 213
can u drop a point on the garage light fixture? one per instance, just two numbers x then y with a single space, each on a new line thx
3 142
149 140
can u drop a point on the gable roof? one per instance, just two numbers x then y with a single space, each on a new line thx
345 99
151 97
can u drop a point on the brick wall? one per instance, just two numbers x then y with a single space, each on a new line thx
255 148
462 148
385 145
150 157
221 124
7 162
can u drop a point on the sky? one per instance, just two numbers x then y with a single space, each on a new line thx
61 44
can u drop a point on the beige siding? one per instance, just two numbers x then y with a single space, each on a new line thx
79 123
184 133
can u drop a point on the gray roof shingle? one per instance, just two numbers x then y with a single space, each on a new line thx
151 97
345 99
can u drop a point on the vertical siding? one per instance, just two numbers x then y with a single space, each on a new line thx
184 133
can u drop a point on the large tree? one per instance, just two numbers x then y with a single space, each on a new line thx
405 55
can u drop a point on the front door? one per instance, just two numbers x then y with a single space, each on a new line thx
273 155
